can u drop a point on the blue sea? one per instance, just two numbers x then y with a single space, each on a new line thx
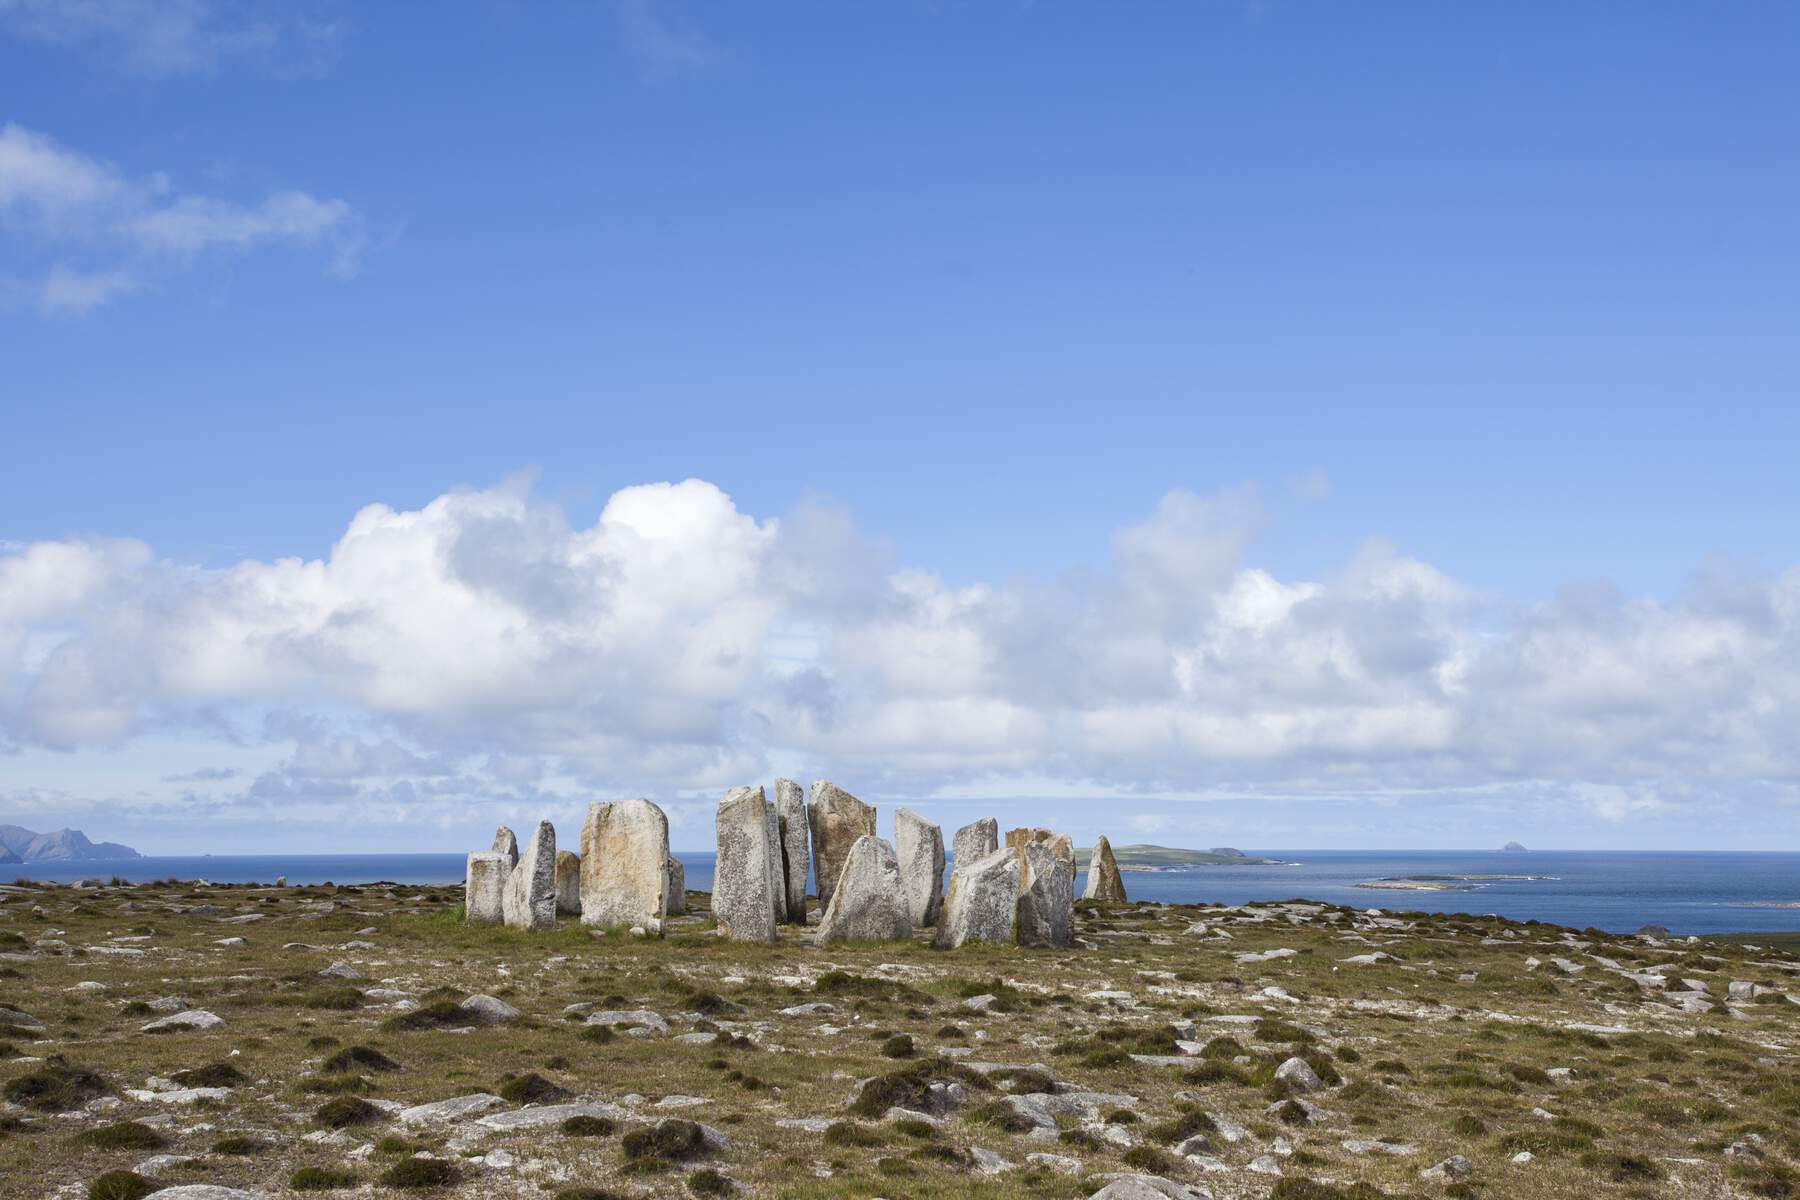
1715 892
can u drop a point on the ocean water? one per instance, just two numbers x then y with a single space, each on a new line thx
1714 892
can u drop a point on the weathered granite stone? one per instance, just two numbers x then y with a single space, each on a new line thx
192 1018
777 876
790 815
489 1010
505 843
568 882
677 898
867 904
1103 880
742 881
624 865
982 901
837 819
484 888
973 842
1046 901
1018 839
919 846
458 1108
530 901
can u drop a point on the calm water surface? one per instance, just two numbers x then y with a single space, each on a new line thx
1715 892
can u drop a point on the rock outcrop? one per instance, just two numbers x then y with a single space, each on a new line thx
919 847
837 819
568 882
982 901
531 885
743 882
625 865
484 888
866 905
790 815
1103 880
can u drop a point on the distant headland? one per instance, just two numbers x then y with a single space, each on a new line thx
21 845
1163 858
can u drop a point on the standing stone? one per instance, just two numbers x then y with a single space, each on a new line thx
837 819
867 905
484 888
742 903
568 882
1018 839
919 845
974 841
531 885
624 865
677 902
790 815
777 877
982 902
1046 901
505 843
1103 880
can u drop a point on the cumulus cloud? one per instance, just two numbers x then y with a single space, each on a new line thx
483 646
58 201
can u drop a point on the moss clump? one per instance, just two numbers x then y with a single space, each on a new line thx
589 1126
219 1075
910 1087
57 1086
532 1088
849 1133
1187 1121
321 1179
598 1034
998 1114
1152 1160
120 1185
668 1141
239 1146
708 1182
898 1046
345 1111
420 1173
358 1058
437 1014
124 1135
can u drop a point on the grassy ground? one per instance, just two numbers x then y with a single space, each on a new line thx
1455 1044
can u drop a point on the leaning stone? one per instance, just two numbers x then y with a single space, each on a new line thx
457 1108
742 880
919 847
624 865
484 888
568 882
530 899
982 901
506 844
193 1018
1103 880
1046 901
837 820
676 901
491 1010
790 818
866 905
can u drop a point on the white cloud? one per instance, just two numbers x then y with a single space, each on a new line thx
172 37
483 646
60 201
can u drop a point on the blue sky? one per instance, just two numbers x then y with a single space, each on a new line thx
1390 406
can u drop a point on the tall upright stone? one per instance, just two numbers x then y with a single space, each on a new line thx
919 847
867 905
742 898
777 876
568 882
837 819
1104 883
677 902
1045 915
625 865
530 901
983 901
790 815
974 841
506 843
1018 839
484 888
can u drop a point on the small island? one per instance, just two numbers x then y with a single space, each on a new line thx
1512 848
1167 858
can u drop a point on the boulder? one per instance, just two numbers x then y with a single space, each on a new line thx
624 865
777 876
867 905
790 816
1103 880
484 888
1298 1075
568 882
489 1010
741 899
982 901
677 899
1046 902
191 1018
530 901
837 819
505 843
919 846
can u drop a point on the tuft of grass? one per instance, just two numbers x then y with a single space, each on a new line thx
123 1135
321 1179
120 1185
532 1088
910 1087
358 1058
589 1126
212 1075
898 1046
442 1013
849 1133
239 1146
668 1141
345 1111
57 1086
708 1182
420 1173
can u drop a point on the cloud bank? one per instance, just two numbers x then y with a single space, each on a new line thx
483 649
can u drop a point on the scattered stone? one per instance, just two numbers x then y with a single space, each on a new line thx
742 899
837 820
1370 1146
624 865
1104 883
193 1018
490 1010
641 1018
540 1116
1454 1167
866 904
341 970
1298 1075
457 1108
919 848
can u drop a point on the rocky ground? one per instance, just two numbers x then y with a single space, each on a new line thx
324 1040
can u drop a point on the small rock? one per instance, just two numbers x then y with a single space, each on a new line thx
491 1010
192 1018
1298 1075
1454 1167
